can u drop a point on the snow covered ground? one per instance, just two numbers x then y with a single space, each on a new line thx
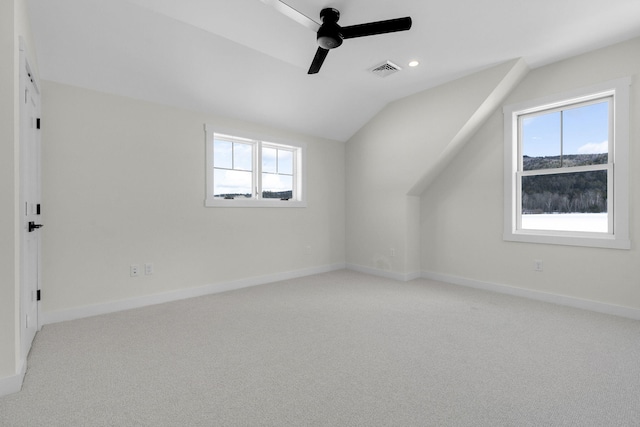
568 222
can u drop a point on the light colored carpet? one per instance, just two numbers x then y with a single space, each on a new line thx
336 349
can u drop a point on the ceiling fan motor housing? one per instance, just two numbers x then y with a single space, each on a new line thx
329 34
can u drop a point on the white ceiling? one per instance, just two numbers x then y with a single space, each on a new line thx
243 59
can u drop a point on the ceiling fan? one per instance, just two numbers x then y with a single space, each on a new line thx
330 35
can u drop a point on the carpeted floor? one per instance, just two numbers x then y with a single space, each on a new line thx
336 349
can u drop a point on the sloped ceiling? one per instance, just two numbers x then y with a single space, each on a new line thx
243 59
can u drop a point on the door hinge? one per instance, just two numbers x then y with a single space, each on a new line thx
38 209
38 295
38 123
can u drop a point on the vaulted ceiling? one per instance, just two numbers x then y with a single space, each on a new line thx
243 59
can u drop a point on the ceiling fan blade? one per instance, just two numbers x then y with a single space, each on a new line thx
379 27
321 54
292 13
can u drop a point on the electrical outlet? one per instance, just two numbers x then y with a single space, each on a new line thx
393 252
148 268
134 270
537 265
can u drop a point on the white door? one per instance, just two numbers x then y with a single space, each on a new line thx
30 189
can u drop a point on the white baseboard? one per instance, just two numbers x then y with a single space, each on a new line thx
13 383
143 301
600 307
403 277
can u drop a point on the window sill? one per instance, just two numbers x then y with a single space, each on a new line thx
237 203
570 239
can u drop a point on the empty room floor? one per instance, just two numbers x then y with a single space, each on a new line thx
335 349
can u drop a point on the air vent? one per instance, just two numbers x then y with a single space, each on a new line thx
385 69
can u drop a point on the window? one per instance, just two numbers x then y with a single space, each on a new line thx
244 171
566 168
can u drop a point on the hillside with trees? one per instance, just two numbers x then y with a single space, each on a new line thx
567 160
576 192
282 195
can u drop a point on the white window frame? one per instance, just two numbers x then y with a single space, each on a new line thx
299 171
618 187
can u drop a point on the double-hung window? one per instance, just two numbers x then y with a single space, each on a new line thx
245 171
566 168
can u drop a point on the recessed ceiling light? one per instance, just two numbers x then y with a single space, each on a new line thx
414 63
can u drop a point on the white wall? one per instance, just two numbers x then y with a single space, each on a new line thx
399 151
462 211
124 184
8 176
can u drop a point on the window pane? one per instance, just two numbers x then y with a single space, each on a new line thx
586 134
277 186
541 143
568 201
285 162
230 183
222 154
242 156
269 160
